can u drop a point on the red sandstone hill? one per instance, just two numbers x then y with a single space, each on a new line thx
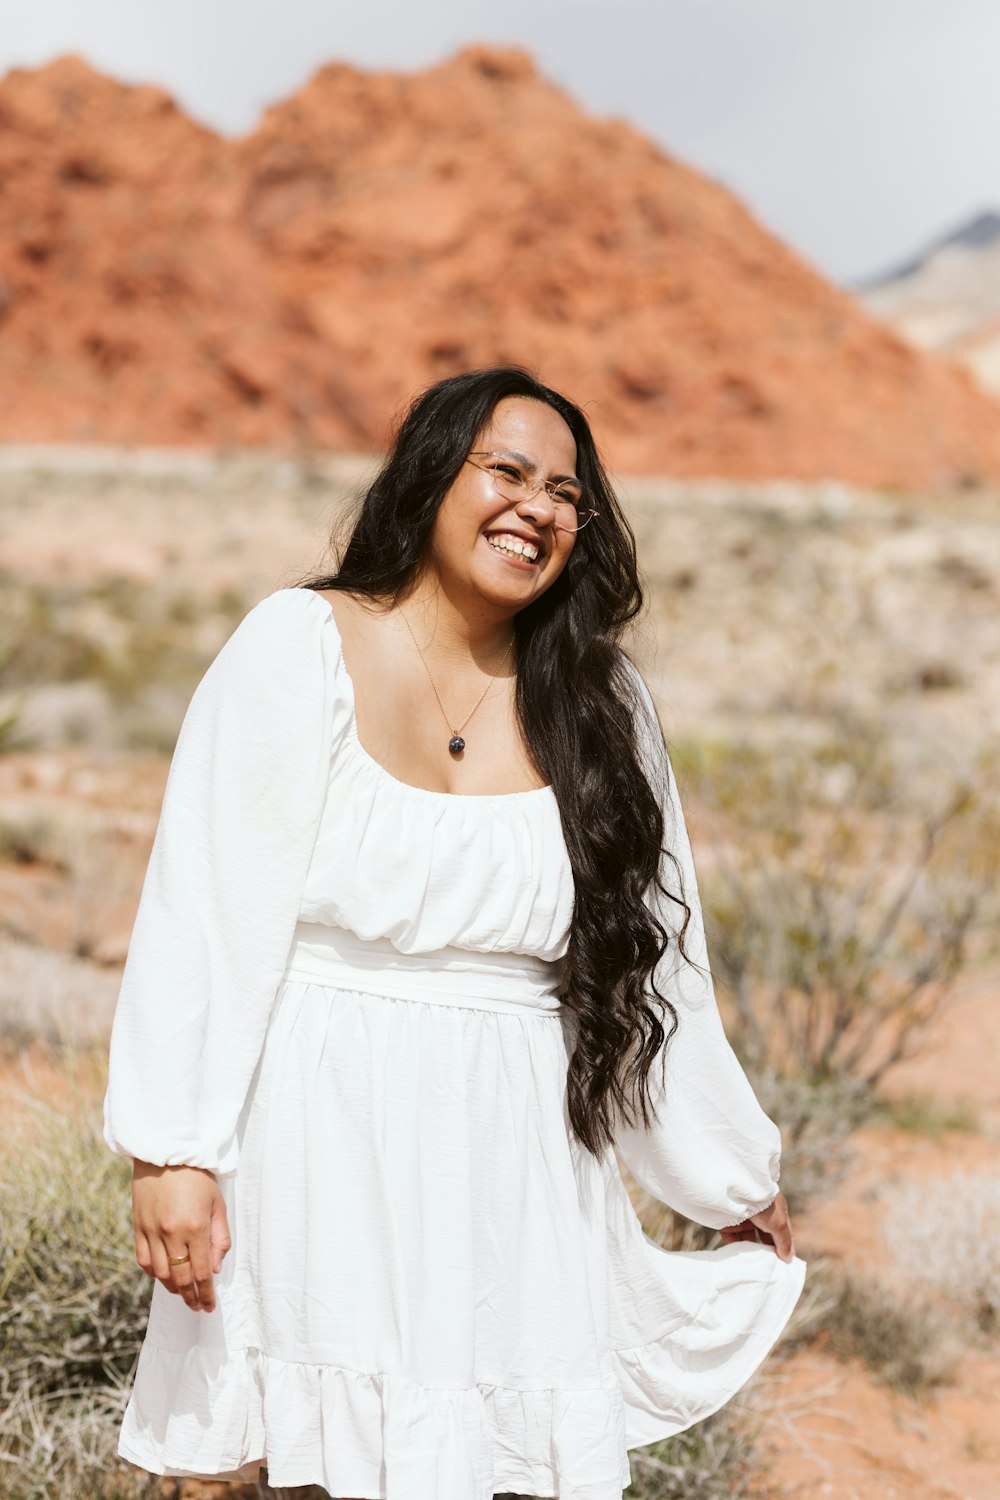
161 284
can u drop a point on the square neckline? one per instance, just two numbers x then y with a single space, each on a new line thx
409 786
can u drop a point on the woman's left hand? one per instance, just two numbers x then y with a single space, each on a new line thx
773 1226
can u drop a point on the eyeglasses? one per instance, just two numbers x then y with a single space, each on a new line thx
510 481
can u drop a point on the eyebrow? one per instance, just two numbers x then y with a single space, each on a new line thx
531 466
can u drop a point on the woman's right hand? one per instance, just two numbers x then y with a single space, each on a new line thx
773 1226
180 1211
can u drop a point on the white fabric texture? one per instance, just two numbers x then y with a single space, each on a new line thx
340 996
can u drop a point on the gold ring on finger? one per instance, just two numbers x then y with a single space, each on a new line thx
177 1260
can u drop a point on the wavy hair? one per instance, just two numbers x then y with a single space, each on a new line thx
577 696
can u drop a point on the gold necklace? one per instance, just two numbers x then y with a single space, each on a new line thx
456 744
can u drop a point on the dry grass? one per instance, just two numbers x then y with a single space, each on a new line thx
714 1460
73 1306
63 1447
945 1236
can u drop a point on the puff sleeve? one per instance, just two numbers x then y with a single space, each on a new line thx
220 898
713 1154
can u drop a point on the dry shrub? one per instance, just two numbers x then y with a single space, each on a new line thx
906 1342
846 896
64 1448
714 1460
923 1114
945 1235
31 839
73 1307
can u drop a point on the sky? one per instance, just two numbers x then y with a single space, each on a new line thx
859 131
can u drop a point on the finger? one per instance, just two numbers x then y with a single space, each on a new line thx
181 1277
200 1269
221 1242
158 1257
780 1236
143 1254
743 1232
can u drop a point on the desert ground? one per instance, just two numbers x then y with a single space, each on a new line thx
783 618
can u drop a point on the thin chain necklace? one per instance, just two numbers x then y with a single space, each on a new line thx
456 744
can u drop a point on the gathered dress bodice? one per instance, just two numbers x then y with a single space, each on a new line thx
426 869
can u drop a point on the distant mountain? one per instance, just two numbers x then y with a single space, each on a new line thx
974 234
162 284
947 298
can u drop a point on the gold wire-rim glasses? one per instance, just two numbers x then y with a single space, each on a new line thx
550 487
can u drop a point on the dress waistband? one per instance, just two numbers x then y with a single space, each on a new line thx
509 982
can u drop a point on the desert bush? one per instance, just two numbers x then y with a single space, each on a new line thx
63 1447
73 1307
12 734
714 1460
844 901
946 1236
11 728
906 1342
73 1303
31 838
44 641
116 632
923 1114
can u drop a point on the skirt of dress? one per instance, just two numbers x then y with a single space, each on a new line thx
432 1289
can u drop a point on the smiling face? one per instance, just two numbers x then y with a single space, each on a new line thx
474 522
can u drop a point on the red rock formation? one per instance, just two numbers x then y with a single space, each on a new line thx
161 284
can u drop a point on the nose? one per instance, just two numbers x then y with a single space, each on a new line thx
540 507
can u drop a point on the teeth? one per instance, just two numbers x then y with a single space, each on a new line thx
515 544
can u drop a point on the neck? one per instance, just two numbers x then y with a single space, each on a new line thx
454 630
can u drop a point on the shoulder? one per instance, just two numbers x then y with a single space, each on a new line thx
288 634
284 616
285 607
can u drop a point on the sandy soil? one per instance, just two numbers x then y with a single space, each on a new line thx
771 607
834 1432
842 1437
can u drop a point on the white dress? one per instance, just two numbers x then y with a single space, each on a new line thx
340 996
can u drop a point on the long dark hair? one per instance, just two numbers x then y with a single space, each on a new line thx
577 698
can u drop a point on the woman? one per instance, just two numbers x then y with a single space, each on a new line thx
419 946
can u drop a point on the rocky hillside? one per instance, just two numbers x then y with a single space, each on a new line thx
161 284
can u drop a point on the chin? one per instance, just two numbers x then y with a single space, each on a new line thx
518 591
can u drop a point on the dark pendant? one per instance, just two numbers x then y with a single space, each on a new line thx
456 744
